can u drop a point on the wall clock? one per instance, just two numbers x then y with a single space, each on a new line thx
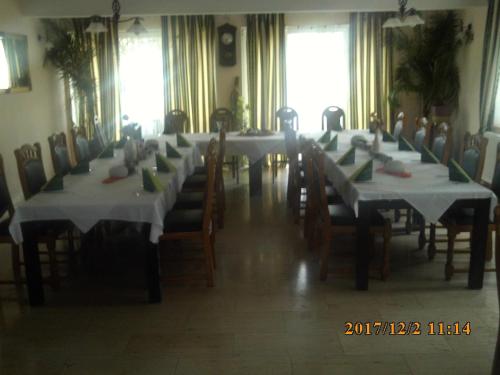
227 45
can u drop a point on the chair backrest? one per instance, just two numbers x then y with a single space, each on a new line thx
287 118
219 177
291 144
495 181
30 168
211 163
399 126
175 122
133 131
319 183
473 155
333 118
80 145
441 144
59 154
221 118
307 162
422 133
5 199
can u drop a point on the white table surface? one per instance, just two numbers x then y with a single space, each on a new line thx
85 200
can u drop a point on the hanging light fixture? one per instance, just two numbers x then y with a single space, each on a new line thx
96 24
404 18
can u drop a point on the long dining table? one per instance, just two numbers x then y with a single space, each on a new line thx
428 190
86 200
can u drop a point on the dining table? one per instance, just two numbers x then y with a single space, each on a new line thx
88 198
425 188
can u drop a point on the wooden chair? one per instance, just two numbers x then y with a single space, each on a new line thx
338 219
80 145
333 118
400 126
458 221
422 133
59 154
442 142
222 118
175 122
32 176
133 131
196 224
287 118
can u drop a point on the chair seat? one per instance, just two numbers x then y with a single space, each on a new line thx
189 201
183 221
343 215
195 181
460 216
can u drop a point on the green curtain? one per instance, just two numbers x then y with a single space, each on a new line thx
266 68
189 67
491 66
370 68
102 100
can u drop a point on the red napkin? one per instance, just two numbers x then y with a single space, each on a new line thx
401 174
110 180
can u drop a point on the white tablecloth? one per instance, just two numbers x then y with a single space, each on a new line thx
428 190
85 200
254 147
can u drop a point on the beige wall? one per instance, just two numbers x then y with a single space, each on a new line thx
28 117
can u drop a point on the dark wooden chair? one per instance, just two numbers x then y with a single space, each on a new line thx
422 133
32 176
133 131
336 219
59 154
286 118
400 126
196 224
442 142
176 121
222 118
333 118
81 145
458 221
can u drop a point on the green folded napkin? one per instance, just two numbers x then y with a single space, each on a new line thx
333 144
348 158
55 184
404 145
151 182
325 138
81 168
121 143
427 156
164 165
172 152
182 141
387 137
457 173
108 152
363 173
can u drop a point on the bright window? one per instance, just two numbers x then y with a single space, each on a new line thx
141 80
317 68
496 119
4 68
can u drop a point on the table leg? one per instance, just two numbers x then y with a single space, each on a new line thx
152 267
33 269
363 243
255 178
478 243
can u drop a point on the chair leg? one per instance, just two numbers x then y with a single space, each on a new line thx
386 248
421 236
431 247
71 250
397 216
16 265
54 271
449 269
208 260
409 222
325 252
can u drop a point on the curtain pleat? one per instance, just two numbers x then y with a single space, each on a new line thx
189 48
370 68
266 68
491 61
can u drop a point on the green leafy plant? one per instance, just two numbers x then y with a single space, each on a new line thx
428 61
72 57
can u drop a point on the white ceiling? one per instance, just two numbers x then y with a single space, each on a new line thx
75 8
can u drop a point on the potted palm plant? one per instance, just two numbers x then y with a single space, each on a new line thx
427 64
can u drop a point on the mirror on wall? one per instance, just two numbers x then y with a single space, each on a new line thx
14 63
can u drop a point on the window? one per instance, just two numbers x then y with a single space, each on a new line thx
496 119
141 79
4 68
317 68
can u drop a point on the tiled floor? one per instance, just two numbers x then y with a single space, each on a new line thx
267 314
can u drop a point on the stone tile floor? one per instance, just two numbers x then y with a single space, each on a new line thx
267 314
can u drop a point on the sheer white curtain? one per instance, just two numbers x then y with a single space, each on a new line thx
317 71
141 79
496 120
4 68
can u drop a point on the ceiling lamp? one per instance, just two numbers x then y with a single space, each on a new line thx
404 18
97 22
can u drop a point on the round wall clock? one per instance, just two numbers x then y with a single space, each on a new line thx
227 45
